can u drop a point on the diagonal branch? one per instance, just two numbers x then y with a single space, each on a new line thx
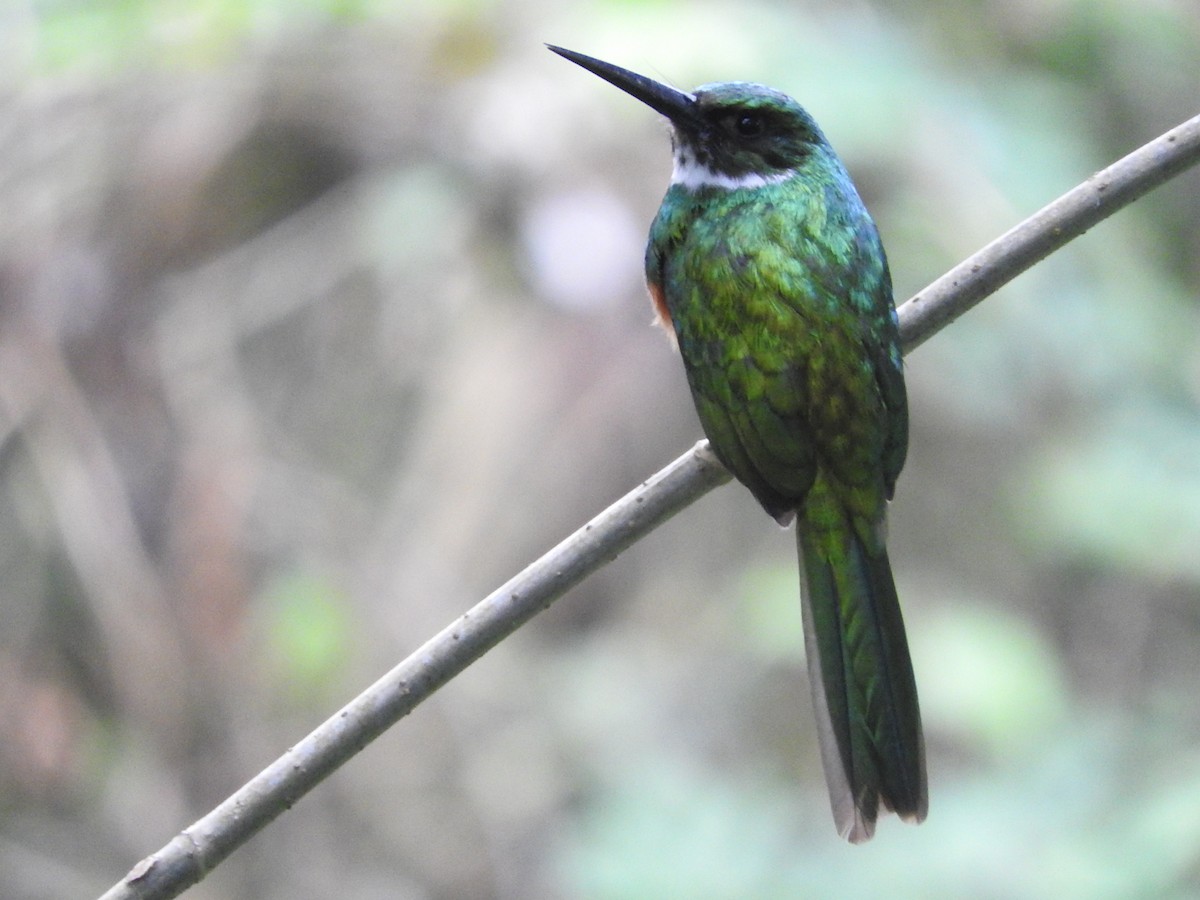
986 271
202 846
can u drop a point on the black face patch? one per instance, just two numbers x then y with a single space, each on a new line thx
748 133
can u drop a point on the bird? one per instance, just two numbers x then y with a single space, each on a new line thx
768 272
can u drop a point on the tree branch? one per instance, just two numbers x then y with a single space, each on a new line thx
202 846
1048 229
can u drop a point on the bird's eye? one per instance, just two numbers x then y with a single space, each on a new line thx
748 125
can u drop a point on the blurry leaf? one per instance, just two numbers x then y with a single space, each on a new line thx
120 34
1127 496
675 831
306 631
988 676
769 612
1168 822
88 34
1074 819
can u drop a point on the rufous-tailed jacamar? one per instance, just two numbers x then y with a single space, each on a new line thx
767 270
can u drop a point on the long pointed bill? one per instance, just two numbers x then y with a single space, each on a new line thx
675 105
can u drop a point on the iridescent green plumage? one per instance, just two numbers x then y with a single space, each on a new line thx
771 274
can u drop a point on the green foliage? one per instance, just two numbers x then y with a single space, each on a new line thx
769 614
106 35
1067 818
1125 495
307 635
989 679
675 831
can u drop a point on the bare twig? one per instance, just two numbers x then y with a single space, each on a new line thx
199 848
986 271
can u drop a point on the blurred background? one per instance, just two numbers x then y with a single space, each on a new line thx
319 320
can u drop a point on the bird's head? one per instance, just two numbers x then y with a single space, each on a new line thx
730 134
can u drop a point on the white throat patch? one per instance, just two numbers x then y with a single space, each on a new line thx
692 175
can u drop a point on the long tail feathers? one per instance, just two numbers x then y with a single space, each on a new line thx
864 692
